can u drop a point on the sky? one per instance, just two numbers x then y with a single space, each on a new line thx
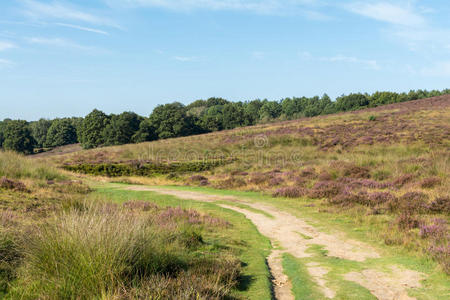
61 58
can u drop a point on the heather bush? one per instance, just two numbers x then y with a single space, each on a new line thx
441 253
9 184
440 205
324 189
430 182
407 221
289 192
402 180
436 230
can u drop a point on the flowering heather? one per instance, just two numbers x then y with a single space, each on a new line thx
9 184
413 202
402 180
430 182
276 181
377 198
324 189
442 255
440 205
436 230
308 173
406 220
289 192
140 205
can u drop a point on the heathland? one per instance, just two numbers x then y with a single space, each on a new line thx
378 176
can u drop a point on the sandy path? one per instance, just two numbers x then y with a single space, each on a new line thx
295 236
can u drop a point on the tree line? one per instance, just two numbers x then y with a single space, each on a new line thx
175 120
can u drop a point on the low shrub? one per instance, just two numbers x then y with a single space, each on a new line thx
430 182
436 230
406 221
289 192
324 189
440 205
15 185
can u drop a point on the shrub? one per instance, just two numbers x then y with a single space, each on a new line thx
8 184
442 255
323 189
430 182
436 230
406 220
440 205
289 192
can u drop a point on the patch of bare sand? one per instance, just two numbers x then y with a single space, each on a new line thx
387 286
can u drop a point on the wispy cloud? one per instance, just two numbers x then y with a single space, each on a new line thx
254 6
58 42
439 69
388 12
6 45
5 63
258 55
185 58
62 11
88 29
368 63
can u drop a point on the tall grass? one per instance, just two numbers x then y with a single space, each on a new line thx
17 166
110 251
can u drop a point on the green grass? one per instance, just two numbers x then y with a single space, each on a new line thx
436 284
243 238
17 166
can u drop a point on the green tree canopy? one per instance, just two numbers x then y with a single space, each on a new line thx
171 120
17 137
39 131
92 129
121 128
61 133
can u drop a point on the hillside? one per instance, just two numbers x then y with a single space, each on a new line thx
377 176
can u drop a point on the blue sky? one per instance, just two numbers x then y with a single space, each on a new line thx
64 58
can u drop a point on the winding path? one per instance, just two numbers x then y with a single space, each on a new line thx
295 236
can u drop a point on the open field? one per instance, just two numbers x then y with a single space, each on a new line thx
346 206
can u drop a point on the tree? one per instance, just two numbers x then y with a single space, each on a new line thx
233 115
17 137
270 110
352 102
92 129
61 133
145 133
212 119
171 120
39 131
121 128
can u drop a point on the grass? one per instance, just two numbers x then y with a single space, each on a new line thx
242 238
61 239
369 229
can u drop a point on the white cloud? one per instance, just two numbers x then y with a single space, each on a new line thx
6 45
255 6
58 42
371 64
439 69
59 11
88 29
387 12
258 55
185 58
5 63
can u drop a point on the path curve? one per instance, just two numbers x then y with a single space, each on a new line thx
295 236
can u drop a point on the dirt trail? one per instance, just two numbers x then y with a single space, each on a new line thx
295 237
